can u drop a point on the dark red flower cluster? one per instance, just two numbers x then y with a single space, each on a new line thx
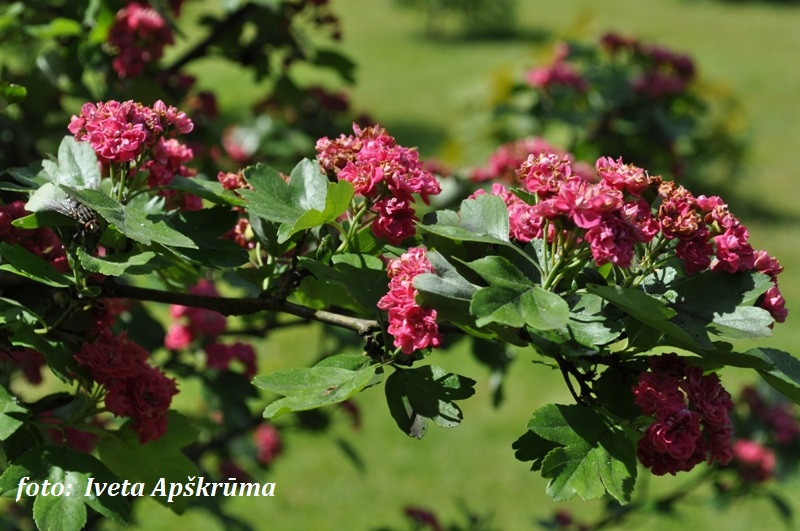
505 160
754 462
709 235
779 418
691 416
205 326
268 443
664 72
413 327
135 389
28 360
138 35
382 171
42 242
558 73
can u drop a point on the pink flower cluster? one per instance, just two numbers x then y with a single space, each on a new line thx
42 242
754 462
558 73
506 159
135 389
267 439
607 210
664 72
709 235
138 35
205 326
383 172
691 416
122 131
413 327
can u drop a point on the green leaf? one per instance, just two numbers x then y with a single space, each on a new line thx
745 322
209 190
77 164
57 354
482 219
56 28
362 276
342 64
778 368
514 306
281 202
416 396
336 202
650 311
38 220
133 222
24 263
133 263
148 463
310 388
593 321
11 414
73 469
593 456
531 447
447 291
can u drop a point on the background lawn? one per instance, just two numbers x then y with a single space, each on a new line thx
433 94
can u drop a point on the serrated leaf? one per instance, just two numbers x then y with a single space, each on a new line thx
337 200
482 219
593 321
73 469
148 463
593 456
134 263
517 307
11 414
361 275
446 290
781 370
24 263
531 447
275 200
416 396
310 388
209 190
744 322
650 311
77 164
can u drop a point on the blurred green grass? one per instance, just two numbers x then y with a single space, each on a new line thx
432 93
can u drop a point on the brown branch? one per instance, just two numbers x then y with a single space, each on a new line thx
239 306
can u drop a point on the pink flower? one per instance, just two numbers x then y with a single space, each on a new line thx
545 173
733 252
623 177
139 34
775 304
413 327
696 253
178 337
232 181
167 160
708 397
268 443
396 220
506 159
612 240
754 462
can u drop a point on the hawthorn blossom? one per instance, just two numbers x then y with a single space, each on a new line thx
691 416
139 34
267 439
412 326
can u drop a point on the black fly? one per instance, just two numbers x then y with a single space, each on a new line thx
72 208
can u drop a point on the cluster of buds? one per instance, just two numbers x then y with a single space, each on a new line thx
412 326
384 173
691 414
